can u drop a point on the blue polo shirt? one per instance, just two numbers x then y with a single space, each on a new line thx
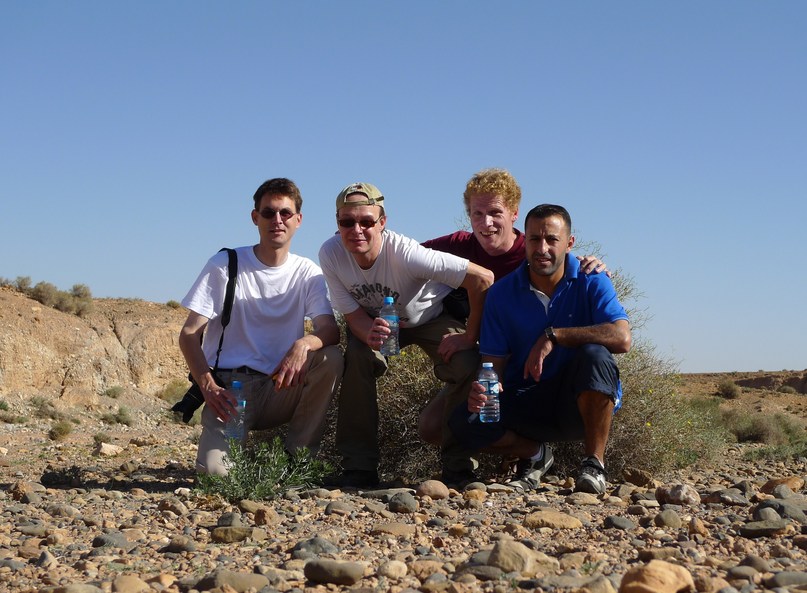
514 318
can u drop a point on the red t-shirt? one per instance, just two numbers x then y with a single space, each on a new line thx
465 244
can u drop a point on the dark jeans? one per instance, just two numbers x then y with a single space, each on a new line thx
545 411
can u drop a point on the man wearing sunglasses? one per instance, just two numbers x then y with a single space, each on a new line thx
287 376
363 264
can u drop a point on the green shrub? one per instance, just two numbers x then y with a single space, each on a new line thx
3 406
122 416
101 437
60 430
770 429
44 408
46 293
728 389
11 418
787 389
172 304
114 392
174 391
263 472
23 284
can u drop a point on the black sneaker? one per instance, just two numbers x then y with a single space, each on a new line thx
458 479
354 478
592 476
529 472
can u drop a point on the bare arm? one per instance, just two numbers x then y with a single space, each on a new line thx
615 336
291 370
190 343
477 281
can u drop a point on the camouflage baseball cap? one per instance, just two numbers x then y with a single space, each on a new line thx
374 197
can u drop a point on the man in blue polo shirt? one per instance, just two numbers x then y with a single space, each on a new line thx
550 332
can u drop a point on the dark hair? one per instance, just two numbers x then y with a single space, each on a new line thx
279 186
547 210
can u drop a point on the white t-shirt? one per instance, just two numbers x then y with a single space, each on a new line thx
268 310
416 277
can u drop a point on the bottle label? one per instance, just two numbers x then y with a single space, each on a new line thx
491 387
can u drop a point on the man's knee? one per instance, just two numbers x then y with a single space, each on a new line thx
329 359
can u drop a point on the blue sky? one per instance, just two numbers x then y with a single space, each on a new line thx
132 136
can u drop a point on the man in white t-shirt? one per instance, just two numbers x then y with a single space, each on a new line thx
364 263
287 376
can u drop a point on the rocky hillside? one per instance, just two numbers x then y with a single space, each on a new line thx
122 343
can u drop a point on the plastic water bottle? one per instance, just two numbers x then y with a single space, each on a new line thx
235 429
490 412
388 312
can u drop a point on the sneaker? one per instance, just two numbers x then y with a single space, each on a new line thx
592 476
354 478
529 472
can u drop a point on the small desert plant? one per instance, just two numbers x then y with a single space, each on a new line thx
122 416
787 389
44 408
769 429
114 392
263 472
101 437
3 406
71 476
174 391
728 389
11 418
172 304
60 430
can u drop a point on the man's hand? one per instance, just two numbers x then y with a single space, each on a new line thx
220 400
291 370
590 264
378 333
453 343
476 397
535 361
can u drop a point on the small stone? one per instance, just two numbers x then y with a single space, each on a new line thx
552 519
393 569
403 502
667 518
129 584
682 494
657 576
795 484
334 571
434 489
107 450
617 522
636 476
764 528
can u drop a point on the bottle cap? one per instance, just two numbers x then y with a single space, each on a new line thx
236 385
388 300
487 365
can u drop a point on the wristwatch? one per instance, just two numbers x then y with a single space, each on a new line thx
550 335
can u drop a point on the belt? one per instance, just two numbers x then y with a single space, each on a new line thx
245 370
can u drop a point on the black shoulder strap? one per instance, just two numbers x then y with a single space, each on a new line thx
229 296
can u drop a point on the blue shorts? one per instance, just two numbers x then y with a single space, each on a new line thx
545 411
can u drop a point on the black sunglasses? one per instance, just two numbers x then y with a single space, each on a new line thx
365 223
270 213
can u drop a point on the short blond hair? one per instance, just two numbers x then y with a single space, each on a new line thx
496 182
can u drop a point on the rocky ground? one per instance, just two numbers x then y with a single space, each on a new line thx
128 519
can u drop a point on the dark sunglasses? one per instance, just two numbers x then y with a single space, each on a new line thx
270 213
365 223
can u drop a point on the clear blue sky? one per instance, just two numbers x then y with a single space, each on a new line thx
133 135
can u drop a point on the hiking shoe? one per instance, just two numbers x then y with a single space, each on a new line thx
354 478
458 479
529 472
592 476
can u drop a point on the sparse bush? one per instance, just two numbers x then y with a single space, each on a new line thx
174 391
11 418
172 304
46 293
3 406
777 430
101 437
71 476
23 283
114 392
787 389
122 416
60 430
263 472
44 408
728 389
